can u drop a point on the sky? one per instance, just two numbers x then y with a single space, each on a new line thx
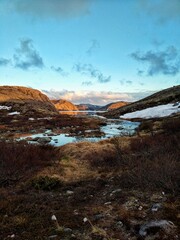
90 51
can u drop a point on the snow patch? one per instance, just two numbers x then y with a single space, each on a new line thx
153 112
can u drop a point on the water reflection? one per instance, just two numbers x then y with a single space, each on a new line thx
112 129
80 112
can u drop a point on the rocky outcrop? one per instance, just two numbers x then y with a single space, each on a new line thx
26 101
64 105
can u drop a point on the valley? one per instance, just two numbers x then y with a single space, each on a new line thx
87 176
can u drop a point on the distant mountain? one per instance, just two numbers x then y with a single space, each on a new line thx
64 105
87 107
114 105
169 95
26 100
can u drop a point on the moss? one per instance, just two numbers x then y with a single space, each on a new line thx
46 183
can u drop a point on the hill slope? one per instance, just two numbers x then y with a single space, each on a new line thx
169 95
26 100
114 105
64 105
87 107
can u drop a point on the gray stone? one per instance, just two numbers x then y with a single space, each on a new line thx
155 207
44 140
165 225
52 236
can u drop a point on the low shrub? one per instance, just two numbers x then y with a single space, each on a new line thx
171 125
153 163
19 159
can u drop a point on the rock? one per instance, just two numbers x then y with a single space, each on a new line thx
132 204
116 192
140 208
176 104
98 217
35 139
155 207
156 197
52 236
119 225
150 227
29 139
68 230
68 192
44 140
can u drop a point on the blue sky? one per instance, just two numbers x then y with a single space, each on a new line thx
94 51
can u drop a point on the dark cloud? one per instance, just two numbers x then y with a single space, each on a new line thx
166 62
4 62
94 45
91 71
125 82
59 70
26 56
163 10
47 8
87 83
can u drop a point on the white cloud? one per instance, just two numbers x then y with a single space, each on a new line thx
94 97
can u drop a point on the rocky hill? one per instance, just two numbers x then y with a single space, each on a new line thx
87 107
26 101
64 105
114 105
169 95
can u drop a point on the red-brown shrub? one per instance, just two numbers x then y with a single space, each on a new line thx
18 159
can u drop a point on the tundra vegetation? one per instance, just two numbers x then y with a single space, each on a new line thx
120 188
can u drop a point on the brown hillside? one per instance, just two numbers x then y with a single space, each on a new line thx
64 105
114 105
26 100
165 96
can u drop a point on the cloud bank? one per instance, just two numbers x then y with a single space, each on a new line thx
95 97
26 56
163 10
165 62
91 71
47 8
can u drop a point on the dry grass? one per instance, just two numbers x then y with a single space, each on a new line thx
149 162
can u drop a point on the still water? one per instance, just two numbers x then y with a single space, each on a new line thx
114 127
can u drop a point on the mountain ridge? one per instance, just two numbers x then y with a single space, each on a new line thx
169 95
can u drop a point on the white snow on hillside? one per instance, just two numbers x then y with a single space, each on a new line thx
4 107
153 112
